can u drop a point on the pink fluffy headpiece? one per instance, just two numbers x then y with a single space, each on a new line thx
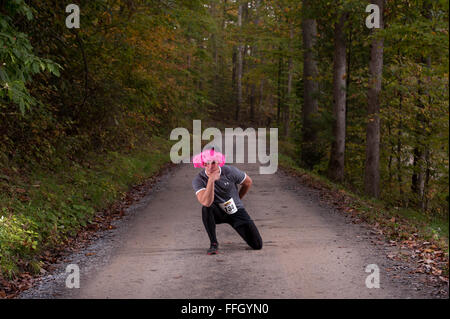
209 155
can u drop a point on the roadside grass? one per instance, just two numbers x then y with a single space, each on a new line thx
396 223
43 208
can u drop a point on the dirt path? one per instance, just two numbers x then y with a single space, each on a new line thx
159 250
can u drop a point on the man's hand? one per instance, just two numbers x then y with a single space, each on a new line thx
214 176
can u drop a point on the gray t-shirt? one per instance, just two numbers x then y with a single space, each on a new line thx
225 187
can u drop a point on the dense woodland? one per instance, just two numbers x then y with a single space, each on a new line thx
367 108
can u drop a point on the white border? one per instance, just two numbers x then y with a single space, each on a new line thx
243 179
199 190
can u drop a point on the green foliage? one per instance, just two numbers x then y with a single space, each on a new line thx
18 240
123 76
414 100
69 144
18 63
429 228
67 198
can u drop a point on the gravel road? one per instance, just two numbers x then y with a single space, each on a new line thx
158 250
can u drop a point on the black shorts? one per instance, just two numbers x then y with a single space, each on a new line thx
241 217
240 221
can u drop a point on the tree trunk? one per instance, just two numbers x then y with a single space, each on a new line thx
348 77
421 175
399 146
310 155
418 177
336 165
287 107
279 91
239 66
233 76
215 52
254 54
372 163
252 102
261 98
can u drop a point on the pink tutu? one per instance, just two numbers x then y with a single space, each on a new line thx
199 160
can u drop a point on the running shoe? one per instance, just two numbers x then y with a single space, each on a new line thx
213 249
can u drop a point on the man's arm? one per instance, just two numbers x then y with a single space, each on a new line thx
246 184
206 196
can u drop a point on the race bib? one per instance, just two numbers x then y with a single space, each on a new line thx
229 206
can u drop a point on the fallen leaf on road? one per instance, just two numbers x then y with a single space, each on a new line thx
443 279
435 271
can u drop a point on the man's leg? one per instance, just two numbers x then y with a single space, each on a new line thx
246 228
250 234
211 216
210 223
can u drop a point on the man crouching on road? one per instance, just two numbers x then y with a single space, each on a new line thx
217 190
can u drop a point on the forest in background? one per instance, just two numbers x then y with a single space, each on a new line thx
367 108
